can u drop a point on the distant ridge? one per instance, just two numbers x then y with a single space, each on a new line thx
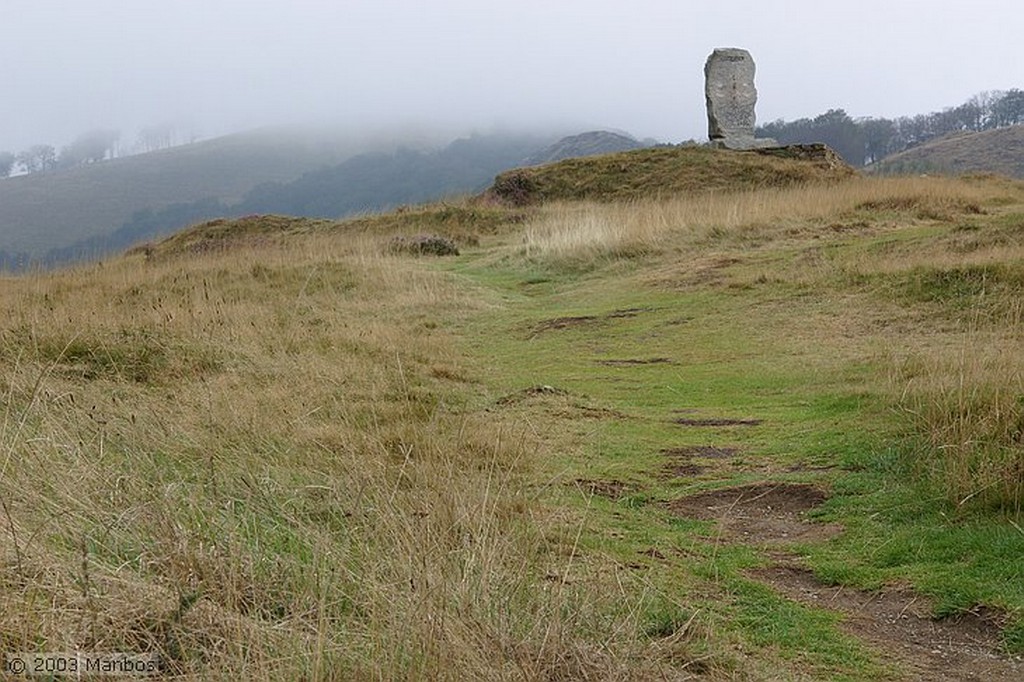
590 143
991 151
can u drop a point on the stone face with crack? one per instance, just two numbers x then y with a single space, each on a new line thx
731 98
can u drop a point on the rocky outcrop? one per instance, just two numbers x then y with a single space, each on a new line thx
820 155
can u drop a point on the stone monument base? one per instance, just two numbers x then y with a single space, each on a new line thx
744 143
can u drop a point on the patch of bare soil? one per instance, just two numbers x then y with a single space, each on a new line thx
531 392
681 462
580 411
558 402
612 489
717 421
898 623
635 361
575 321
763 513
701 273
628 312
682 469
563 323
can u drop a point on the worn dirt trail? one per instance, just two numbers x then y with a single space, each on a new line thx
895 622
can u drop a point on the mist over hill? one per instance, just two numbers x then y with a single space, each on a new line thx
379 181
367 182
51 210
592 143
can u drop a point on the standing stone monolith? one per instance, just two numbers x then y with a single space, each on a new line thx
731 96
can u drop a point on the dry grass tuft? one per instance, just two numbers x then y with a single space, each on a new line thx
966 404
566 232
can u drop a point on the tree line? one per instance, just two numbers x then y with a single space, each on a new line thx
863 141
89 147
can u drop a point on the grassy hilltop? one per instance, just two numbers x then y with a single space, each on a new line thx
764 424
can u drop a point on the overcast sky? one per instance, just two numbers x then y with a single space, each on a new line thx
67 66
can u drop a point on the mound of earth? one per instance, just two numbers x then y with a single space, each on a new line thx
666 171
224 233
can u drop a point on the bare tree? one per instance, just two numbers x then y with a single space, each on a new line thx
90 147
7 160
1009 110
157 137
37 158
984 101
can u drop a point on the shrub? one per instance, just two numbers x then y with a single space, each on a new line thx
424 245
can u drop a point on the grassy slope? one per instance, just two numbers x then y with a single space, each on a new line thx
992 151
295 455
43 211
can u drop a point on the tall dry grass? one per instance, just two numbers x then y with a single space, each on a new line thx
965 402
265 464
581 232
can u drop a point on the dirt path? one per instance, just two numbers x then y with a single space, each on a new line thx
896 623
899 626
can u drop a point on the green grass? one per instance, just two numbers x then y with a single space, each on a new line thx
721 369
805 637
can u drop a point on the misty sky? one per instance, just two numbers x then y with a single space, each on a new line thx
67 66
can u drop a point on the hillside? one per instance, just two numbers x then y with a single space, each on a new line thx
365 182
765 426
992 151
376 182
47 210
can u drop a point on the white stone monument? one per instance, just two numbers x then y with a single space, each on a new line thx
731 96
